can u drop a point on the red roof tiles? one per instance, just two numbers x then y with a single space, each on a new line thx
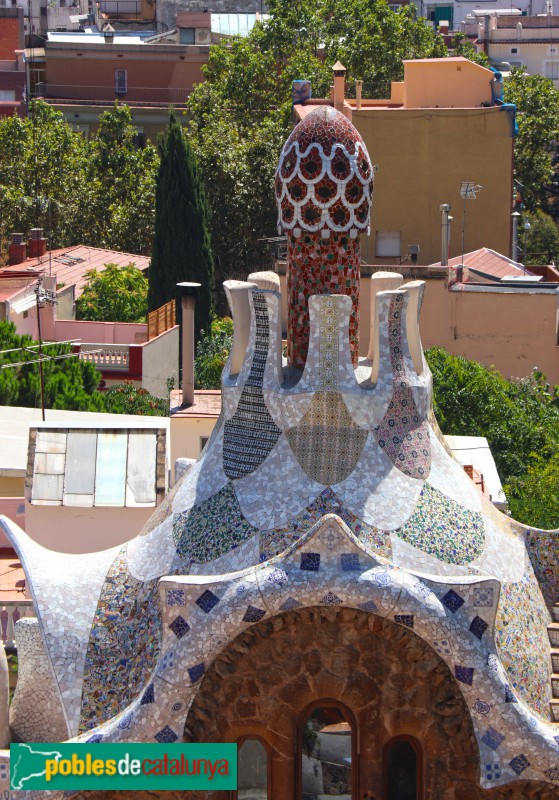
69 264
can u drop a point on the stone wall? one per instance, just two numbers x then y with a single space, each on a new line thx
391 680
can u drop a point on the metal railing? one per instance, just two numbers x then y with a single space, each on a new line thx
10 612
107 357
145 95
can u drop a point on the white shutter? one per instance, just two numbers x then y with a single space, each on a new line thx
387 244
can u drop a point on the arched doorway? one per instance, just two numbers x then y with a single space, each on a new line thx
327 752
378 675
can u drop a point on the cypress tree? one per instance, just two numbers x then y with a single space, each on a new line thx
181 244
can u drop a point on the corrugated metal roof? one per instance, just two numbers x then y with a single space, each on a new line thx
69 264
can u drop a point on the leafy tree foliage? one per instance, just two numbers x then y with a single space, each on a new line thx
117 294
43 166
462 46
212 352
241 114
69 383
537 102
181 244
99 192
520 420
122 177
542 240
129 399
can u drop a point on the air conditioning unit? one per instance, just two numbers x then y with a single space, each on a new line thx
413 249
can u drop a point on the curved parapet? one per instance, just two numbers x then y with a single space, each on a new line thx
237 293
65 591
36 713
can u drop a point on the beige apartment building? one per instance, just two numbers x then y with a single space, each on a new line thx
439 128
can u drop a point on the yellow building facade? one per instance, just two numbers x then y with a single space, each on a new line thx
436 131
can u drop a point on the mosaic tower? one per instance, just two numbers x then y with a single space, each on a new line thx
323 191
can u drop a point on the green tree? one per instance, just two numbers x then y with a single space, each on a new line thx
537 103
117 294
69 382
462 46
542 239
519 418
212 351
43 172
533 498
122 185
129 399
181 243
99 192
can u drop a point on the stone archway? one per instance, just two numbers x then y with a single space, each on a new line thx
392 680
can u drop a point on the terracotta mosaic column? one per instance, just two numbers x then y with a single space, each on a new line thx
323 190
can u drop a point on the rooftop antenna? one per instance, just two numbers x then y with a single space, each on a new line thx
468 191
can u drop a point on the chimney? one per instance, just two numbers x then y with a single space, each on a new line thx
444 208
109 33
339 85
514 249
37 244
486 34
17 250
358 94
188 301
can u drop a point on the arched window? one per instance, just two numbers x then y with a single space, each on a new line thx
327 747
403 765
253 769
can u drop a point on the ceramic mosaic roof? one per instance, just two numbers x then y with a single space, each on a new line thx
319 487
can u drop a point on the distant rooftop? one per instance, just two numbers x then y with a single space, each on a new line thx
69 264
486 264
207 403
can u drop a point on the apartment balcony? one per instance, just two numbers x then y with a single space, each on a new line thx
131 356
107 357
106 95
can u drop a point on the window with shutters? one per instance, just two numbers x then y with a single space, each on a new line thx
121 81
387 244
